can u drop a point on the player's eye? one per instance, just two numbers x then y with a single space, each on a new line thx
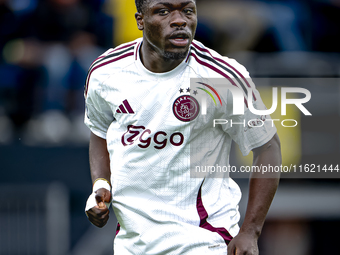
163 12
188 11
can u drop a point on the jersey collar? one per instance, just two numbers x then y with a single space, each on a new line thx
157 76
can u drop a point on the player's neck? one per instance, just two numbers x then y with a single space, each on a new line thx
156 62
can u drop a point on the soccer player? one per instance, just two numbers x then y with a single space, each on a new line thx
147 130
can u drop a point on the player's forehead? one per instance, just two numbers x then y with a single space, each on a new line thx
152 3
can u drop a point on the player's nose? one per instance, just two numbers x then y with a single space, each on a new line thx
177 20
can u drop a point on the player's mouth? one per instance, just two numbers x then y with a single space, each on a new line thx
179 39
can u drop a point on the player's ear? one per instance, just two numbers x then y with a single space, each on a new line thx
140 21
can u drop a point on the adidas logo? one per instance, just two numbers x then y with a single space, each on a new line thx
125 108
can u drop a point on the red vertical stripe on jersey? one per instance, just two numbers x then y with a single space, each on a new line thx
206 225
217 71
118 228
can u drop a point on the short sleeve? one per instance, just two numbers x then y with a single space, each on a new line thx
249 130
98 113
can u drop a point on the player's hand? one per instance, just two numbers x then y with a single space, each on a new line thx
99 214
243 244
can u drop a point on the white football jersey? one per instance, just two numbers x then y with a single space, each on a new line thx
156 133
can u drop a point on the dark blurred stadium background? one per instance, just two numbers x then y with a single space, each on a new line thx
46 47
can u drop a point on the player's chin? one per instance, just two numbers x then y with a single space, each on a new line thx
176 54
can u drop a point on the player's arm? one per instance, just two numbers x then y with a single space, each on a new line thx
100 173
262 189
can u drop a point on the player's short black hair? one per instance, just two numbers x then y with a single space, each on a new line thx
140 5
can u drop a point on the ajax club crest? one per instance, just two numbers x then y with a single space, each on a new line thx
186 108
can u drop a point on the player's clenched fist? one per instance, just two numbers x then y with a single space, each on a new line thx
243 244
99 214
98 203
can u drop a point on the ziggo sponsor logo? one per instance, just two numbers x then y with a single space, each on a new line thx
140 134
